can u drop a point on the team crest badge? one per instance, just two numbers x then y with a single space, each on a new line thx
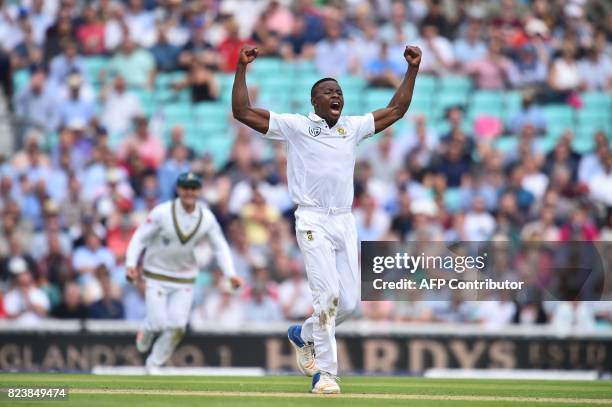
341 131
314 131
309 235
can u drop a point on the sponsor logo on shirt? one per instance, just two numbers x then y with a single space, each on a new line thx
314 131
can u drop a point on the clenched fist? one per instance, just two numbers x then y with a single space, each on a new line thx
248 53
413 55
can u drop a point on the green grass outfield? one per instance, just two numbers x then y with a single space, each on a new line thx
117 391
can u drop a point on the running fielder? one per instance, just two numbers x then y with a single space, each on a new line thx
320 164
170 235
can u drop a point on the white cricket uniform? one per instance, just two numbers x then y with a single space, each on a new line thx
320 167
170 236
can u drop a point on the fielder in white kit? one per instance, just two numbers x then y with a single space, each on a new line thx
320 165
171 233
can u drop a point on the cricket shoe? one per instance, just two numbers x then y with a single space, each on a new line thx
304 351
144 340
325 383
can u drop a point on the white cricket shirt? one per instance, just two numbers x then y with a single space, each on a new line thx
171 236
320 160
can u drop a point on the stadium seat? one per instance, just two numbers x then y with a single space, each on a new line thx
506 143
458 83
377 98
483 99
425 83
93 66
559 115
21 79
597 100
513 103
267 67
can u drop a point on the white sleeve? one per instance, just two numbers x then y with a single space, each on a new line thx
221 248
280 126
143 235
364 126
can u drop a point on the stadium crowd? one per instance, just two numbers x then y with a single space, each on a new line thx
69 207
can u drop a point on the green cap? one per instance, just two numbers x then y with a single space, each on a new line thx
189 180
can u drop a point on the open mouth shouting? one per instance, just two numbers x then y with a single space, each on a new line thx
335 107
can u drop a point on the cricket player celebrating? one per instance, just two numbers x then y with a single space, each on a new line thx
320 165
170 235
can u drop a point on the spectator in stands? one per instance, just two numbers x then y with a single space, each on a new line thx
66 64
120 107
134 301
564 77
295 46
198 47
471 47
261 307
35 105
595 68
164 52
579 227
372 222
28 52
479 224
600 186
593 164
382 70
168 173
573 315
333 55
530 114
257 216
543 228
25 303
90 34
220 306
91 256
528 72
201 82
143 144
398 23
71 306
438 55
141 23
229 48
79 105
108 307
491 71
135 65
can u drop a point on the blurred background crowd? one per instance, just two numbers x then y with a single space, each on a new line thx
507 137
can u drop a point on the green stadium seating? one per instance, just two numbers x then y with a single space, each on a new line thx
513 103
457 83
597 100
21 79
267 67
93 66
506 143
483 99
377 98
558 115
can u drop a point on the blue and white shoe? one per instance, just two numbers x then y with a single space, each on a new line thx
325 383
304 351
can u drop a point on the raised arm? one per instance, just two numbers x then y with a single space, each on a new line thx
397 107
257 119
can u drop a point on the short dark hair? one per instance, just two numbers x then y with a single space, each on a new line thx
319 82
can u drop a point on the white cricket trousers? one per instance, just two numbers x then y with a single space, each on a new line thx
168 306
328 242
